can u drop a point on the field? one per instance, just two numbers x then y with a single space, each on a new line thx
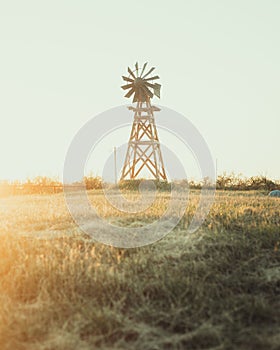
215 289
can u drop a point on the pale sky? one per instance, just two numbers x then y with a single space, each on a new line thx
61 63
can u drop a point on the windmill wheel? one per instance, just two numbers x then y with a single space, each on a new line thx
141 85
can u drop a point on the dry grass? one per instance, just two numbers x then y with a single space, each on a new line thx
216 289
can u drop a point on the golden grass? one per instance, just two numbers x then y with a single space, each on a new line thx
216 289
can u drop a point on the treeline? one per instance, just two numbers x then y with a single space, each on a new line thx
47 185
226 182
234 182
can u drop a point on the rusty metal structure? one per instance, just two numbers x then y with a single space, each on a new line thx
143 151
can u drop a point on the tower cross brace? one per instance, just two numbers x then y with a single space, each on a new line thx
143 149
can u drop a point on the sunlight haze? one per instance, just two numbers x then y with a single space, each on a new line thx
62 62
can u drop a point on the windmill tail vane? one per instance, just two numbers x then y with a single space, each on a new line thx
143 151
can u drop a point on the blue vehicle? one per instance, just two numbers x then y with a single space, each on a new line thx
275 193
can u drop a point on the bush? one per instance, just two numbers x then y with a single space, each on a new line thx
93 183
133 185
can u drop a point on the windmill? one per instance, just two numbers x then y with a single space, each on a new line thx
143 149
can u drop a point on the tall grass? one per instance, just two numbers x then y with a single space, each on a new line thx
216 289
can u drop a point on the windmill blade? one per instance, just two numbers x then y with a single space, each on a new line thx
130 92
157 90
147 91
127 79
149 72
152 78
150 85
142 94
143 69
136 66
138 94
135 98
127 86
131 73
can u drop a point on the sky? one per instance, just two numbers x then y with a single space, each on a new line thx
61 63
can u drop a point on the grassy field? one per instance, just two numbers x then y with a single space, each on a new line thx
215 289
